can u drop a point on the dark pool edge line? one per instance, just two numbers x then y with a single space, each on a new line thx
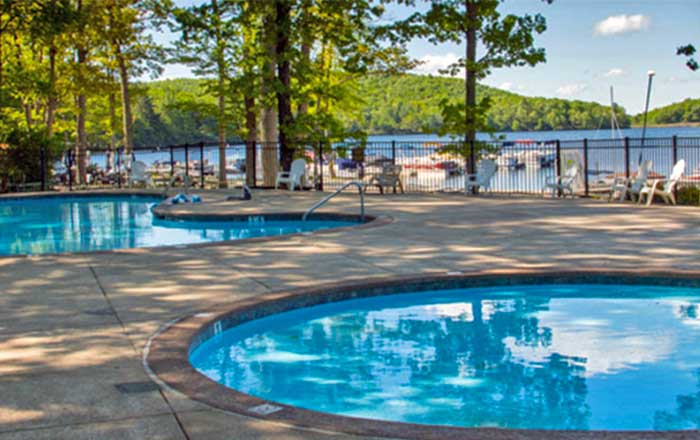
83 194
371 221
168 355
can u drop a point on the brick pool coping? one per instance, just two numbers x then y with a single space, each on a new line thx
167 355
370 221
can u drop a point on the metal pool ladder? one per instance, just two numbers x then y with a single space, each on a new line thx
338 191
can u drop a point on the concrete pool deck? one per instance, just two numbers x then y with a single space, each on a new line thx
74 326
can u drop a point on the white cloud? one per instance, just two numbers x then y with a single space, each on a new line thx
571 89
431 64
507 86
622 24
614 73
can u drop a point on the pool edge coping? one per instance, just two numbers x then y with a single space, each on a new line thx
371 221
166 356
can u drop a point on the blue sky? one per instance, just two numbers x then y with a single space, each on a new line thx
591 45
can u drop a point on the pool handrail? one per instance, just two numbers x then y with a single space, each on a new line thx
323 201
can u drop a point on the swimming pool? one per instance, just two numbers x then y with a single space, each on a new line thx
601 356
96 223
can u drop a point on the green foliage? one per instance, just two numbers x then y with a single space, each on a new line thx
415 103
505 41
20 155
689 195
688 51
677 113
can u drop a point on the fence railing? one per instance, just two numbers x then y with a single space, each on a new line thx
523 166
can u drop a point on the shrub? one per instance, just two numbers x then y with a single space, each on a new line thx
689 195
20 156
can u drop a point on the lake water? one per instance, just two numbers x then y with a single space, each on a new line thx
563 135
420 158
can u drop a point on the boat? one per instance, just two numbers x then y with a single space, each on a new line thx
511 161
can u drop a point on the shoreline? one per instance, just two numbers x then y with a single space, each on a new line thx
670 125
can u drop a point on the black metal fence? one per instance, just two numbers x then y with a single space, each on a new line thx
523 166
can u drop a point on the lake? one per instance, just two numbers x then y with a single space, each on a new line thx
563 135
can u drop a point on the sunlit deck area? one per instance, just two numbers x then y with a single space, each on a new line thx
73 327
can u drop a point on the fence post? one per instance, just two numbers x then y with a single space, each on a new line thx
557 163
119 167
472 157
319 186
674 142
254 174
42 160
201 165
393 152
627 157
70 170
187 160
172 161
585 165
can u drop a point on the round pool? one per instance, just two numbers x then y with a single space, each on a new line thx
59 224
596 354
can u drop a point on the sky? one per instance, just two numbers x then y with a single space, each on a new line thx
590 45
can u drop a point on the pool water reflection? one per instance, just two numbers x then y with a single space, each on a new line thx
609 357
79 224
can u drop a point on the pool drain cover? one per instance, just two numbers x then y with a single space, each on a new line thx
136 387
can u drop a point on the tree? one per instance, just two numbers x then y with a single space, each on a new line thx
688 51
508 40
124 24
210 40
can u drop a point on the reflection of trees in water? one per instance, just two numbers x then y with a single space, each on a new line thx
687 414
689 311
475 373
73 225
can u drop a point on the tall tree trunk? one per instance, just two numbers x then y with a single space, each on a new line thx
222 132
81 141
306 59
307 39
221 89
251 125
81 138
284 105
470 79
51 104
269 114
113 127
127 123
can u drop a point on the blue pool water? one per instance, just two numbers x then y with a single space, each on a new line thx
79 224
603 357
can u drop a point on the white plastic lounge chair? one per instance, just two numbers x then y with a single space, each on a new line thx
138 174
632 186
651 188
562 183
294 177
482 179
390 177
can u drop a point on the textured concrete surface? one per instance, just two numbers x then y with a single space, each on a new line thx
74 326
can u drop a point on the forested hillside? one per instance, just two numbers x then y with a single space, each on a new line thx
410 103
178 111
687 111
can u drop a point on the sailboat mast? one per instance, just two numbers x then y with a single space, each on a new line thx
612 114
614 124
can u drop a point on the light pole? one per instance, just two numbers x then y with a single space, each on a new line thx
650 74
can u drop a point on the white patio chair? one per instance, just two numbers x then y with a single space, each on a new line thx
632 185
295 176
138 174
482 178
562 183
651 188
